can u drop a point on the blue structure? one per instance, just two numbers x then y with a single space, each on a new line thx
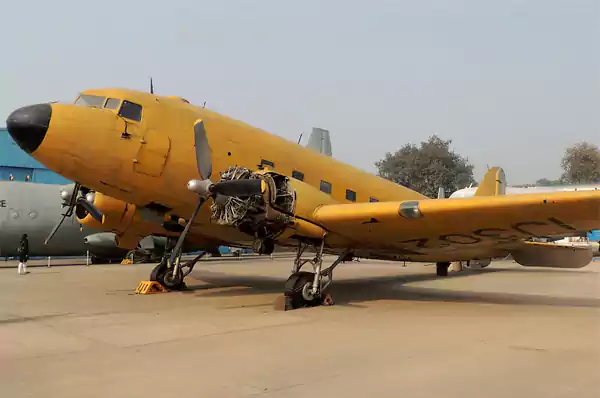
17 165
594 236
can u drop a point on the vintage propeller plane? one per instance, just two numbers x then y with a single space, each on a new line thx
160 165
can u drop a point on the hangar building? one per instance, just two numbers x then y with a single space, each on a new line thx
17 165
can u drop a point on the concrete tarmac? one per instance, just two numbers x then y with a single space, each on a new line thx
505 331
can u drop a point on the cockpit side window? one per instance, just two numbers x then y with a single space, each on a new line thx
93 101
131 111
112 103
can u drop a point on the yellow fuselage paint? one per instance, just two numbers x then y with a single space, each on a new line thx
152 160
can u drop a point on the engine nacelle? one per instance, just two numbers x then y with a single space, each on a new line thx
551 255
128 223
104 240
280 211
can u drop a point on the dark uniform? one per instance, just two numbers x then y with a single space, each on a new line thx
23 254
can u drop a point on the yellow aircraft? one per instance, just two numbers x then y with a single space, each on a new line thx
161 166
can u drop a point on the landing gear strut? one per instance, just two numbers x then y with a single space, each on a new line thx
309 289
441 269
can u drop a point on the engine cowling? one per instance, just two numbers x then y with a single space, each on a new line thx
106 240
125 220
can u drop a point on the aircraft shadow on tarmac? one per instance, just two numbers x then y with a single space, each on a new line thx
354 291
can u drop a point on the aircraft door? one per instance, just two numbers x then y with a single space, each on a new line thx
152 154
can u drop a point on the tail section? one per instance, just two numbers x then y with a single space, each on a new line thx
319 141
493 183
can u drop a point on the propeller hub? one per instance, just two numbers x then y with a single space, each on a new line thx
90 197
65 194
201 187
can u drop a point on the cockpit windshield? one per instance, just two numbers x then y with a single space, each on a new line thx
93 101
126 109
131 111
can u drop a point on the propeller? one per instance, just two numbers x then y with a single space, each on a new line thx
205 188
204 165
203 151
71 199
151 86
237 188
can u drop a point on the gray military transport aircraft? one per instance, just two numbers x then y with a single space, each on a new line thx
34 209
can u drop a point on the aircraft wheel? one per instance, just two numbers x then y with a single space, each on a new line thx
163 275
478 264
441 269
296 291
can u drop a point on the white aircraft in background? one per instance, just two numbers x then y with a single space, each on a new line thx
469 192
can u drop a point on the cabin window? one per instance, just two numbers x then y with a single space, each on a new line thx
372 199
350 195
325 187
264 162
131 111
298 175
112 103
93 101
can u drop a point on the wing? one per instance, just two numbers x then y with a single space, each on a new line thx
453 229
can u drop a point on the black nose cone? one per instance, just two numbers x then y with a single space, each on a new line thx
28 125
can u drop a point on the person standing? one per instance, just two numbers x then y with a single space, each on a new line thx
23 254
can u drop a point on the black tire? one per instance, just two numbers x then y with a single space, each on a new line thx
293 290
163 275
441 269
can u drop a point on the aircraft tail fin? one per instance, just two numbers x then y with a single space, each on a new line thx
493 183
319 141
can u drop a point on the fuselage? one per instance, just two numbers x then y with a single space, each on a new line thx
145 155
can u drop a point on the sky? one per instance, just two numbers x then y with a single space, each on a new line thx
512 83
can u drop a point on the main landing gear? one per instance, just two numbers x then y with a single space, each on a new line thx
441 269
170 272
309 289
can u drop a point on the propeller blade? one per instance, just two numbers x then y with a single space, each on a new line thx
55 229
74 194
238 188
93 210
151 86
186 230
72 200
203 151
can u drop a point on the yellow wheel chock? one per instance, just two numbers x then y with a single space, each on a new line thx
150 287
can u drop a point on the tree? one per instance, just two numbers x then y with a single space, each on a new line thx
581 164
428 167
